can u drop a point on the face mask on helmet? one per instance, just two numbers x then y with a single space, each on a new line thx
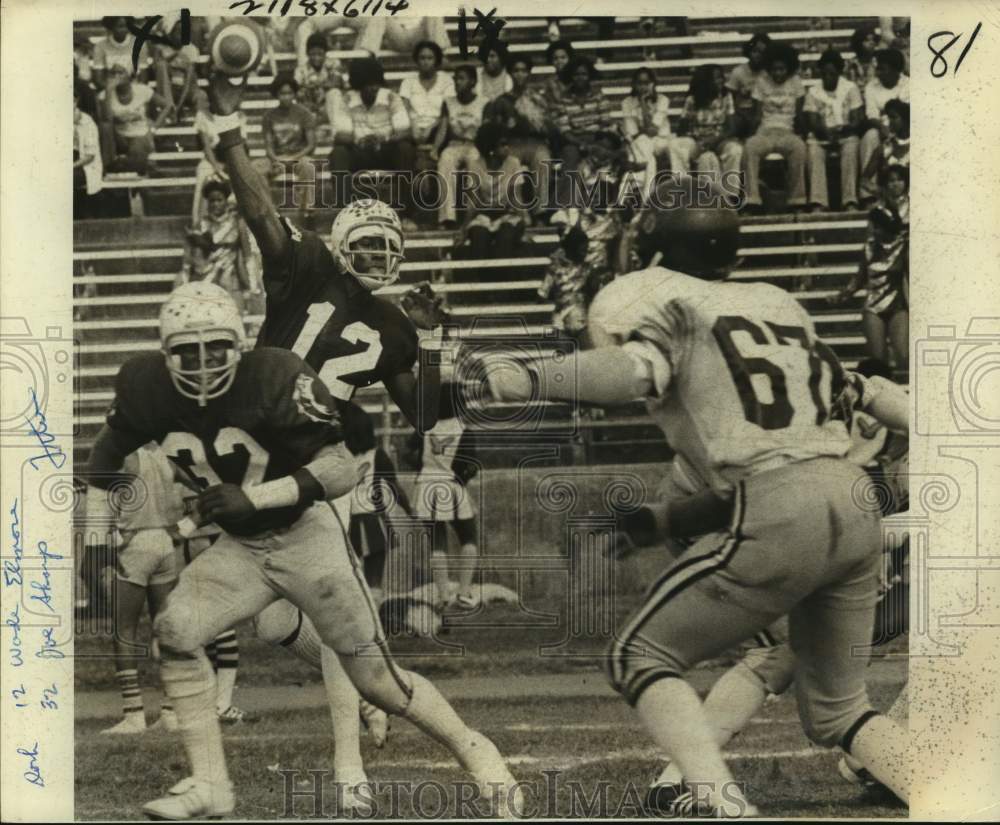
202 335
367 241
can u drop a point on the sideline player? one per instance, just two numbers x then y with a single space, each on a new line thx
733 376
260 429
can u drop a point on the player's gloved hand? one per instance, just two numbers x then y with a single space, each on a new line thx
425 309
225 502
223 96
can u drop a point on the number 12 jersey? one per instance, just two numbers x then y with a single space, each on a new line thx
741 382
349 336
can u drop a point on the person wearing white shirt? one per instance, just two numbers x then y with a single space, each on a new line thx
425 93
647 126
833 109
116 50
88 168
889 83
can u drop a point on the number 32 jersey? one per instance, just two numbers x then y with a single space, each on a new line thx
349 336
741 383
271 422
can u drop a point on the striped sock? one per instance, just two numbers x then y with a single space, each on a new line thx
227 660
128 683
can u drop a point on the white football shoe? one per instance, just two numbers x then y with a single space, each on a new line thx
376 721
192 798
132 724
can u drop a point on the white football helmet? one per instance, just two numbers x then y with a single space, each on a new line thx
363 219
200 313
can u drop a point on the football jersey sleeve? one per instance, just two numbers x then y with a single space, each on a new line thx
307 262
401 341
140 405
302 415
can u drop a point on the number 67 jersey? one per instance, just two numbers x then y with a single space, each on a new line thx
325 316
741 382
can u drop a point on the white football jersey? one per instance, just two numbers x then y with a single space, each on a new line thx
739 386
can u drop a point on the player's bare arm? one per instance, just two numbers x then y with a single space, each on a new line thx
417 400
253 195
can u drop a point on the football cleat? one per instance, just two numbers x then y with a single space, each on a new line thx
167 722
133 723
192 798
237 716
376 721
366 239
202 314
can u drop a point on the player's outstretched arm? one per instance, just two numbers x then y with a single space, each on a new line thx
253 194
607 377
887 402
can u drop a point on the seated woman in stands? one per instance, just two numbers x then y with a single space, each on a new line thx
779 97
581 116
708 126
895 149
317 77
743 78
125 106
647 126
492 79
885 267
557 55
218 247
289 140
496 213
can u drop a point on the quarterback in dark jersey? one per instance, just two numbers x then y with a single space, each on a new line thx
319 301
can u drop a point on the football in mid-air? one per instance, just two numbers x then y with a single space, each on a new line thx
236 47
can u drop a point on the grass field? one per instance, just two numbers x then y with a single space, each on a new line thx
582 750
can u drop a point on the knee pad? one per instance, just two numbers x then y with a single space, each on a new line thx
631 668
831 724
774 666
277 622
177 634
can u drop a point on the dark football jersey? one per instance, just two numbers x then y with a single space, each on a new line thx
271 422
349 336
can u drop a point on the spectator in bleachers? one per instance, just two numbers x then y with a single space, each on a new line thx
175 76
895 33
582 115
463 115
209 167
557 55
885 269
125 108
834 111
88 169
495 215
371 126
889 83
492 79
424 97
708 125
743 78
566 283
524 113
778 97
289 138
896 147
218 247
83 74
860 69
320 74
647 126
115 49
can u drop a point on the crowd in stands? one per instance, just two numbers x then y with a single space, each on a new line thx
491 129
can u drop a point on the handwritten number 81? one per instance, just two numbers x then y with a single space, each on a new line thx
939 65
